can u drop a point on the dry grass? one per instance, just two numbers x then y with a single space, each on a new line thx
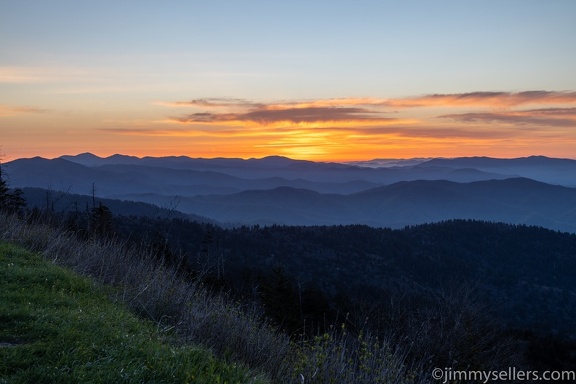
160 292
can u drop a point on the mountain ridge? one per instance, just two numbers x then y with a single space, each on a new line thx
280 190
400 204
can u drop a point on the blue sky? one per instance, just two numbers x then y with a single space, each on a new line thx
73 69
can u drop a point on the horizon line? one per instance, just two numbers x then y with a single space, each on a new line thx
287 157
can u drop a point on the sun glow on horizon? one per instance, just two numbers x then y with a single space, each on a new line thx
242 81
349 129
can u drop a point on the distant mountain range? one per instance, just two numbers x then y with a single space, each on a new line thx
384 192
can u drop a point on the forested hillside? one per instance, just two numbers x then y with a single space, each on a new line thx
498 287
526 273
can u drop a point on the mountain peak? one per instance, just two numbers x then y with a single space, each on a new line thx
84 155
120 156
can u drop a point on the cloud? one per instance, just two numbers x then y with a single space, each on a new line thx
314 113
553 112
211 103
28 75
137 131
353 119
346 126
369 111
21 75
555 117
205 131
484 99
267 116
8 111
456 100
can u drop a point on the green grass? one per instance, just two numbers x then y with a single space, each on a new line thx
58 327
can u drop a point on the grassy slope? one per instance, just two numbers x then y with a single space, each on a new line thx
56 326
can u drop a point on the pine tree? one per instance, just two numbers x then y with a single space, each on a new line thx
280 300
11 202
4 191
101 220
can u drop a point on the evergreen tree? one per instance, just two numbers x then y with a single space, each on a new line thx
101 220
4 191
10 201
280 300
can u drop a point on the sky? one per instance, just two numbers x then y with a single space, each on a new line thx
308 79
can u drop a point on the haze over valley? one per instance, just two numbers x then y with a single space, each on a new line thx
276 190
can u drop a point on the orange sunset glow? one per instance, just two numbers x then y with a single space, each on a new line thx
408 88
492 124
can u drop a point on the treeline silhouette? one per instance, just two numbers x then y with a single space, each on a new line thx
527 272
